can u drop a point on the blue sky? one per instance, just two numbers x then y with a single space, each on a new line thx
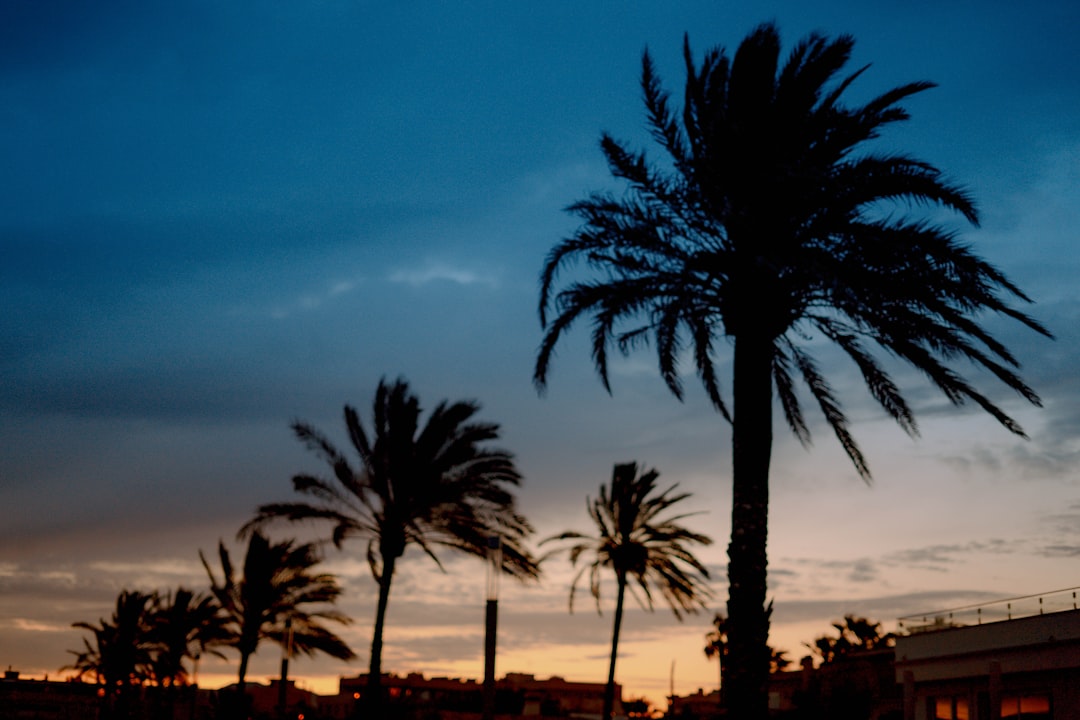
219 217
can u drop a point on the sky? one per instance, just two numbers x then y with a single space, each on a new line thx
218 218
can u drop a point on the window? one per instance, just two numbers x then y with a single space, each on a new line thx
950 707
1035 706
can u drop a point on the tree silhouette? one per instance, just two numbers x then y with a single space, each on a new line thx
121 655
778 661
641 548
852 634
429 485
771 228
278 585
183 626
716 647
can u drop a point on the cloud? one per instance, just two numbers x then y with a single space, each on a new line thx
29 625
432 272
939 557
1066 523
863 571
805 577
879 608
1061 551
314 300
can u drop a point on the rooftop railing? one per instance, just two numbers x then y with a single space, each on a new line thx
993 611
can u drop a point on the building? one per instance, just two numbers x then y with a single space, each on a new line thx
45 700
516 695
1016 659
859 685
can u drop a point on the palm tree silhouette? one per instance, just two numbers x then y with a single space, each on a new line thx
278 585
772 228
852 634
716 647
641 548
121 655
429 485
184 625
778 660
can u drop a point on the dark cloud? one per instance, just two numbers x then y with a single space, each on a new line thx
884 608
940 557
1056 551
864 571
1065 524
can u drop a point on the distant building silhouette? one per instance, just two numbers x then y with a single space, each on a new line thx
24 698
516 695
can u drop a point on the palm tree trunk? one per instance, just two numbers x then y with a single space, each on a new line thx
609 689
746 684
720 680
373 694
241 686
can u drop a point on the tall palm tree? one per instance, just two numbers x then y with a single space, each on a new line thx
641 548
278 584
426 484
772 227
121 655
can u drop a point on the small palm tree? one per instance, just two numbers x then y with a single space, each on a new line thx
426 484
853 634
184 626
778 661
641 548
121 656
278 586
716 647
771 226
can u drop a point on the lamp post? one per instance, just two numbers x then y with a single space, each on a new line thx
494 569
286 653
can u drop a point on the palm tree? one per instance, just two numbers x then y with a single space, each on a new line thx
852 634
278 585
771 227
183 625
639 547
778 661
121 655
716 647
429 485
